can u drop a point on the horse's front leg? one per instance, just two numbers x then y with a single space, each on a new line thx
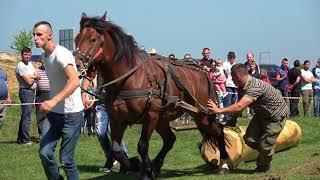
117 131
143 147
213 130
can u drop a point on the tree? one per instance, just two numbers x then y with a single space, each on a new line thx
21 40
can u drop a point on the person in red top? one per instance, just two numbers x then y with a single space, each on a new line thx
264 76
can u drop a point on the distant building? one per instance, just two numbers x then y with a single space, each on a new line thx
35 58
66 38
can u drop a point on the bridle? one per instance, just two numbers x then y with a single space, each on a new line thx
88 59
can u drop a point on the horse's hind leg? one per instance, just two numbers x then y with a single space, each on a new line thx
143 147
168 139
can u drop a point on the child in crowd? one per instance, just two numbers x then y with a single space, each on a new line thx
264 76
218 77
89 112
253 69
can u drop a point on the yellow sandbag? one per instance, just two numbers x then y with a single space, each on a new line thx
211 154
239 152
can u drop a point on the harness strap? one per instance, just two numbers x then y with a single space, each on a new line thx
123 76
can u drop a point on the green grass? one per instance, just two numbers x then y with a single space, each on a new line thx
183 161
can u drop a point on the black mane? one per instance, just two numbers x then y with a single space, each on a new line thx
125 44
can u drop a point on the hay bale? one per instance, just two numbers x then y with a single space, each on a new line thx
239 152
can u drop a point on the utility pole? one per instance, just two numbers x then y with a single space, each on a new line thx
265 53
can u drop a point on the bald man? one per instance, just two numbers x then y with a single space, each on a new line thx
250 57
64 108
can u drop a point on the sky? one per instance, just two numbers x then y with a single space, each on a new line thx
271 29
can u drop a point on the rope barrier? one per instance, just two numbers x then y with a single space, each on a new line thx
33 103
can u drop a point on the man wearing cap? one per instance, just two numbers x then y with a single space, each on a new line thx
231 88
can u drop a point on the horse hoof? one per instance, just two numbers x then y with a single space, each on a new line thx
135 163
148 177
156 166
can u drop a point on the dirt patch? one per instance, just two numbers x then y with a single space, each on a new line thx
311 168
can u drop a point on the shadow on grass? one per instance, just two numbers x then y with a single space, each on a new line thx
202 170
8 142
111 175
34 139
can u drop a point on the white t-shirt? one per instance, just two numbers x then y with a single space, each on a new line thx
22 70
55 65
227 67
307 74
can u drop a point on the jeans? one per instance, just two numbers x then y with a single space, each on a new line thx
102 128
89 116
294 103
67 127
26 96
316 98
41 116
306 99
231 98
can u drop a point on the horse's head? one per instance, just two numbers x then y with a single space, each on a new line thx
89 43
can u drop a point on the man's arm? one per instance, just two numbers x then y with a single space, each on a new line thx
72 84
297 81
30 79
85 100
278 78
236 108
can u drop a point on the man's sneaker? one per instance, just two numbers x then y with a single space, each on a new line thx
115 162
25 143
28 143
262 169
105 170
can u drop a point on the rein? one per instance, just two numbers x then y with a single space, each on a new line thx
123 76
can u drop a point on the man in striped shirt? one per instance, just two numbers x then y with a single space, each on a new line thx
42 94
270 113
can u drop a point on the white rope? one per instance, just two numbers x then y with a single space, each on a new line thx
19 104
34 103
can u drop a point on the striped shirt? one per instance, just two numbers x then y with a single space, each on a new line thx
43 83
268 102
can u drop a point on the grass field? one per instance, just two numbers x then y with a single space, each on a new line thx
183 162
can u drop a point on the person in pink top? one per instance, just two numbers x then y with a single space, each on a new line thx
218 76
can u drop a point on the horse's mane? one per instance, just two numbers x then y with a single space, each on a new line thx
125 44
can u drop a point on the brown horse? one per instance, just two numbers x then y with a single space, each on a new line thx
142 89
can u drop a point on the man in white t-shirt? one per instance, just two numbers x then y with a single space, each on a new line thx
306 87
27 76
64 108
231 88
